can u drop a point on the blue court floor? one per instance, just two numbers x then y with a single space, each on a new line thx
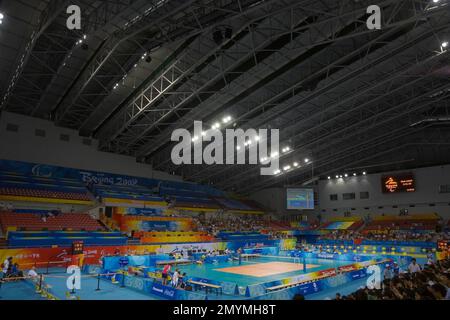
108 290
56 280
211 271
19 290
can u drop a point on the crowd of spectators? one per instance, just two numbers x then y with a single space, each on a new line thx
430 282
387 235
214 225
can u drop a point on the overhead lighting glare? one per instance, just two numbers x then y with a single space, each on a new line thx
295 164
277 171
329 177
306 160
286 168
226 119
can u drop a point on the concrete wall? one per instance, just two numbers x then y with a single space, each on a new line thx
24 145
275 199
272 198
427 194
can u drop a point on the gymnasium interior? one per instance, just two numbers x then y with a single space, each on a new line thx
224 150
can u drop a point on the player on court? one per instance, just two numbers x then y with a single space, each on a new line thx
165 273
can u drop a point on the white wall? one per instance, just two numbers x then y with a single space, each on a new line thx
427 181
24 145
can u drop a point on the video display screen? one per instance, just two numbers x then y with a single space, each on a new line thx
298 199
395 183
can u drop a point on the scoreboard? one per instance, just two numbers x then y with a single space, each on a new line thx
77 247
396 183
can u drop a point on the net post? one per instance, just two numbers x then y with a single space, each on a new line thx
40 282
73 287
123 281
98 282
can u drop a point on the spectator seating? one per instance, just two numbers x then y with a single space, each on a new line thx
35 188
173 237
35 222
135 192
244 236
417 222
279 225
342 223
44 193
63 238
232 204
195 203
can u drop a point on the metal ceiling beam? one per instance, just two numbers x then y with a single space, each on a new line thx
46 18
193 57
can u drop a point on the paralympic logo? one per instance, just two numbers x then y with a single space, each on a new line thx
238 143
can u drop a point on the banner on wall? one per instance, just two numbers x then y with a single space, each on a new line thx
27 257
129 223
93 177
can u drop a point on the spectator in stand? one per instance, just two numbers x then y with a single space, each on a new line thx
414 266
388 274
396 269
431 283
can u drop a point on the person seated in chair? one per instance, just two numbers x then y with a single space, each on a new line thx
32 274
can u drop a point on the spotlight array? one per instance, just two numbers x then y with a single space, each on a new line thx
1 17
146 56
288 167
216 126
346 175
80 41
226 119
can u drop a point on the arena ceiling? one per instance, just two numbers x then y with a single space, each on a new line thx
347 98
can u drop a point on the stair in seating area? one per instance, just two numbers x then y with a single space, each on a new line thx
104 225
